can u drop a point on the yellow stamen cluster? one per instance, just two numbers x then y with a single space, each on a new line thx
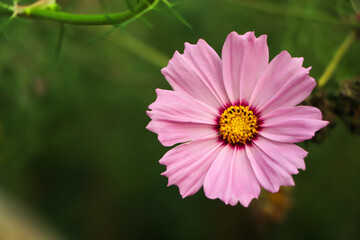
238 124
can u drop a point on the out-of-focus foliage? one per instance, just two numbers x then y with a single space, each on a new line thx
74 147
356 5
342 104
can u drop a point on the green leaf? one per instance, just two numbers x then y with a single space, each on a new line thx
146 22
6 23
59 42
181 19
102 35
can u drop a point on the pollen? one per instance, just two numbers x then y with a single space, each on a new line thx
238 125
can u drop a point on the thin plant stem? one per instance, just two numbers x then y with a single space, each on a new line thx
339 54
84 19
5 8
140 49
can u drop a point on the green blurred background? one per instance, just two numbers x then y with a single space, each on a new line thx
75 153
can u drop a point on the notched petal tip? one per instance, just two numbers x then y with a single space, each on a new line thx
152 104
158 90
265 36
246 203
289 184
149 125
298 60
188 45
285 54
163 70
201 41
166 69
182 193
162 139
325 123
249 36
169 184
200 45
171 181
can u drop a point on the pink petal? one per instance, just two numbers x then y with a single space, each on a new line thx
293 124
231 178
289 156
284 83
269 172
197 73
177 118
188 164
245 58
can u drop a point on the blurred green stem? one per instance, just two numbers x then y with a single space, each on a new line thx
340 52
140 49
356 5
83 19
281 10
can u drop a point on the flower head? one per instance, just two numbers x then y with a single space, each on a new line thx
236 118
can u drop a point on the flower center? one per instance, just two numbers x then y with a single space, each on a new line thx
238 124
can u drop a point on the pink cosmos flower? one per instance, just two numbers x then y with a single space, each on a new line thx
236 118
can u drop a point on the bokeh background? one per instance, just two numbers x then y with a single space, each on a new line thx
76 161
